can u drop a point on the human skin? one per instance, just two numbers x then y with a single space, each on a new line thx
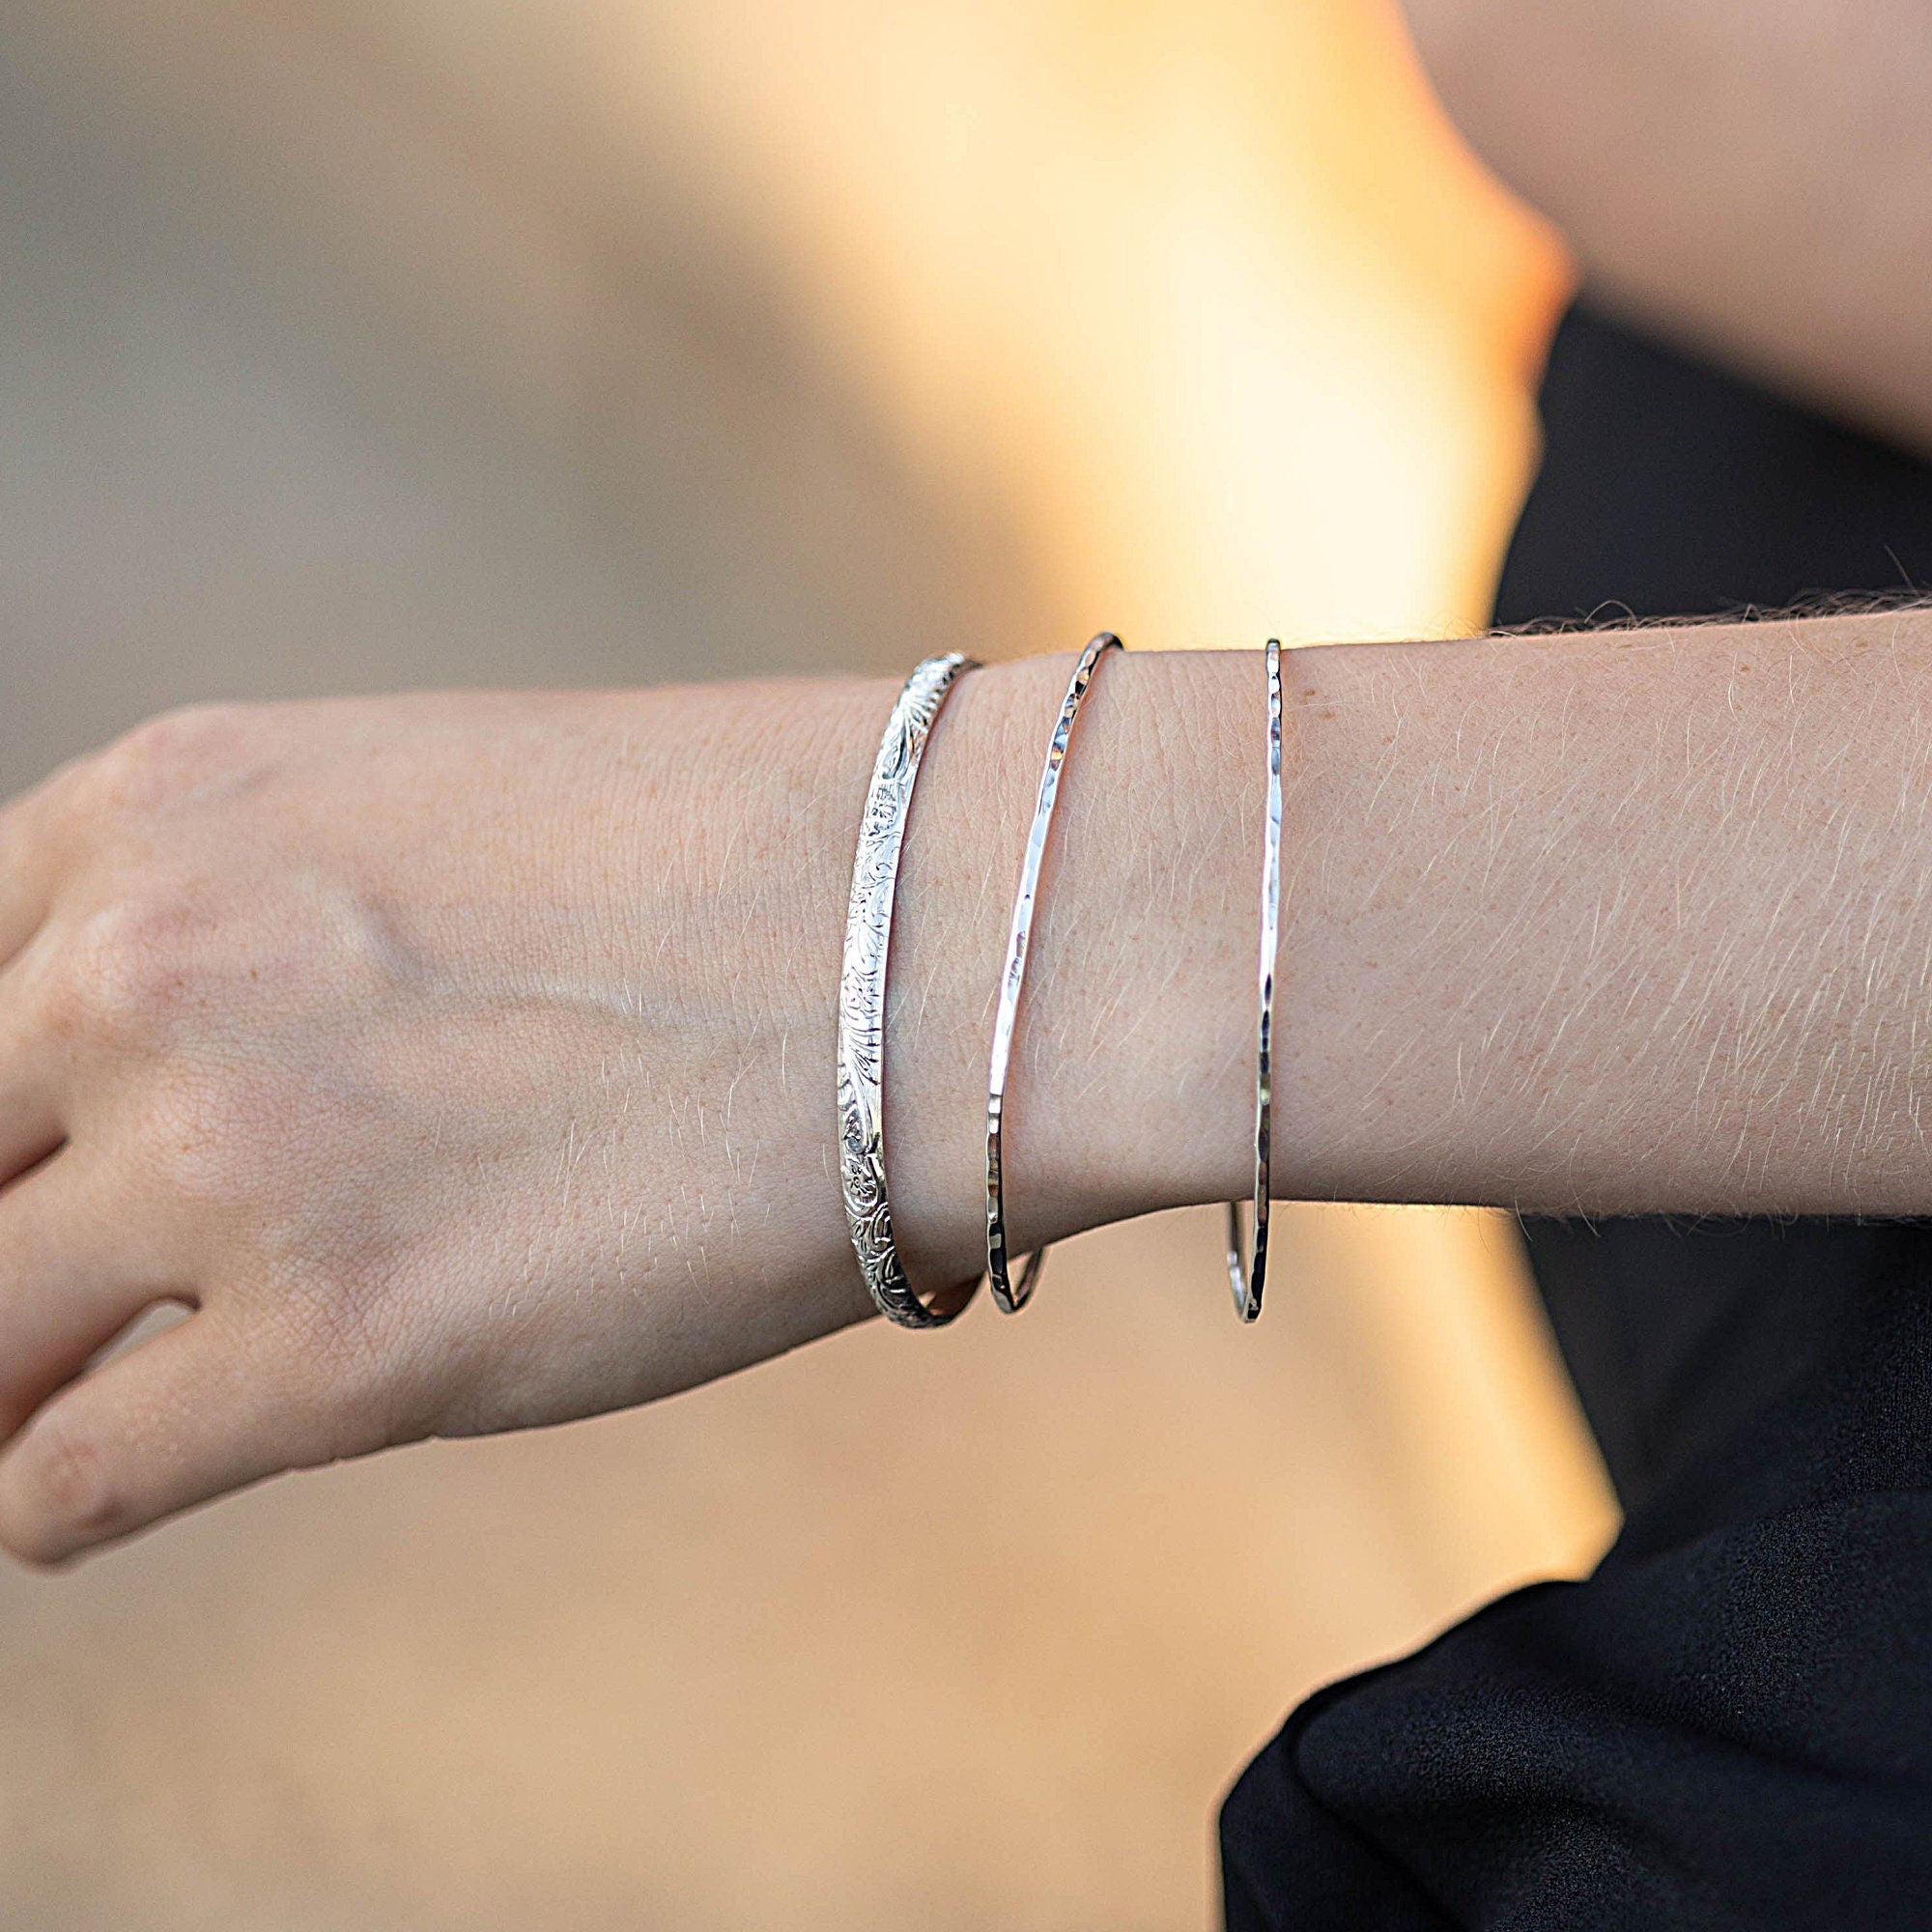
1754 176
466 1062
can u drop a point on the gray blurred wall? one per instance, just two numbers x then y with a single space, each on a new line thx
357 409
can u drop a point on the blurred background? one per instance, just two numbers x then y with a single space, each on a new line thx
347 345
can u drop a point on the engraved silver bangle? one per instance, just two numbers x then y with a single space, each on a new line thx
1246 1284
862 1001
1006 1294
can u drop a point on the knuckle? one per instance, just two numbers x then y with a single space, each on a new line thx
64 1492
130 968
170 756
29 816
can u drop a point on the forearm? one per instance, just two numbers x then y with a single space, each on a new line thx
1623 922
1755 177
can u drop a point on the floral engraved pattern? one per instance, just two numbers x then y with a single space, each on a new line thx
861 998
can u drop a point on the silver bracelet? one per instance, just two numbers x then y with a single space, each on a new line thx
1246 1284
1010 1297
862 1001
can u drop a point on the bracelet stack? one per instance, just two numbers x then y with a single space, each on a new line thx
862 1000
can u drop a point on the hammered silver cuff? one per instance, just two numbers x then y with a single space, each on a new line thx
1010 1297
862 1001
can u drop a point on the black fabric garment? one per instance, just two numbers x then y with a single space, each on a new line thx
1730 1724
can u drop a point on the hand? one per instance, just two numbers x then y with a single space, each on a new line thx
462 1063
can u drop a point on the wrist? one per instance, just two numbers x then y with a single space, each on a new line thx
1132 1080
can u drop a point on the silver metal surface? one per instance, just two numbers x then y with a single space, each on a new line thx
862 1001
1008 1296
1246 1284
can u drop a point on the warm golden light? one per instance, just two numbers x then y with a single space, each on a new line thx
1212 292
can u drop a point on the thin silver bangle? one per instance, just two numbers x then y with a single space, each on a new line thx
1010 1297
862 1001
1247 1284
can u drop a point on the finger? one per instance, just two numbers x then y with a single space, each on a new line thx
73 1275
195 1412
32 1063
31 860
